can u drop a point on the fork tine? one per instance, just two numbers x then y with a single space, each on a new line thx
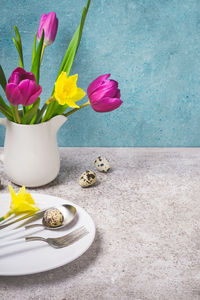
71 235
74 239
56 244
66 241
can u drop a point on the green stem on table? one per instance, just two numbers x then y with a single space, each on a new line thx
1 219
43 48
8 214
75 109
17 115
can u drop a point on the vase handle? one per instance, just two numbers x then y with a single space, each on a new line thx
3 121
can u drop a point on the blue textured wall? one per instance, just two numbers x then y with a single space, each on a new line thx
152 47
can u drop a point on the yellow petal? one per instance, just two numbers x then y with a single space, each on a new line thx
61 79
62 76
12 192
26 196
71 103
74 78
71 100
13 196
79 95
23 202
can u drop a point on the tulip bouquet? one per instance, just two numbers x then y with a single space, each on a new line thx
23 90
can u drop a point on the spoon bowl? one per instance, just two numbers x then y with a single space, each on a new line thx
68 212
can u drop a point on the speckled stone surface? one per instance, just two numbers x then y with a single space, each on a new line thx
146 210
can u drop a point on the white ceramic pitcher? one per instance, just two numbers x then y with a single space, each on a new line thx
31 155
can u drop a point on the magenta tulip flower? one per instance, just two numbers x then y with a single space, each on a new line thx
103 94
48 23
22 88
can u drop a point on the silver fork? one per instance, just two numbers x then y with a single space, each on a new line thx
59 242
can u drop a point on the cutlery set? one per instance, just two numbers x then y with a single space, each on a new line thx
49 216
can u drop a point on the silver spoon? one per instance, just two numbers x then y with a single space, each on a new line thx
67 211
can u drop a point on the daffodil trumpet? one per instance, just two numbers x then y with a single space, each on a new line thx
20 203
66 91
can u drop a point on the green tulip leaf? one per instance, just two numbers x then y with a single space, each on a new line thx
3 80
34 48
18 45
5 114
35 69
74 44
18 36
29 115
34 118
37 117
40 114
61 109
5 109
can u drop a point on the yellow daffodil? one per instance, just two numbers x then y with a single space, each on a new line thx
21 203
66 90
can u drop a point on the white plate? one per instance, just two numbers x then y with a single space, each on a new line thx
34 257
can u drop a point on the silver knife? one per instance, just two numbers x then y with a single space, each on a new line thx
32 217
35 217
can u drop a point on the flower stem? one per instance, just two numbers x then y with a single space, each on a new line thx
24 110
51 99
40 114
6 215
50 109
17 115
75 109
43 48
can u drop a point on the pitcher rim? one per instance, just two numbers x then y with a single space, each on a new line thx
33 125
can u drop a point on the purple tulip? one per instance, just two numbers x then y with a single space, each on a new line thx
104 94
48 23
22 88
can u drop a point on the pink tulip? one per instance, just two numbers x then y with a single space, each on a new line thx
22 88
50 25
104 94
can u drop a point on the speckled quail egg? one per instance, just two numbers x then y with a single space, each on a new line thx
53 217
102 164
87 179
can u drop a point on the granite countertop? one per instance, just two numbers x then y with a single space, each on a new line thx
147 214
